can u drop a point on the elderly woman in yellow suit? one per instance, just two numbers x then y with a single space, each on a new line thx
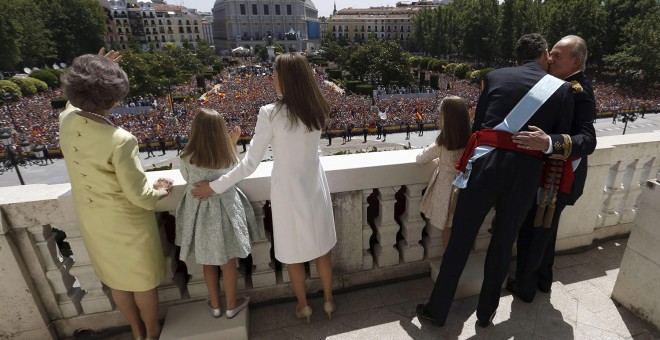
113 201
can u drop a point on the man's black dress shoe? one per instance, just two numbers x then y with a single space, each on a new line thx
511 286
543 288
423 313
485 323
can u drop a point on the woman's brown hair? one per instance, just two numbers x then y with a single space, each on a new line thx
300 92
209 145
455 128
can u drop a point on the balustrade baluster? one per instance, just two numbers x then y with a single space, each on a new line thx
386 254
263 273
412 225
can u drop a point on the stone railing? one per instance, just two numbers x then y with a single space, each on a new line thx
381 235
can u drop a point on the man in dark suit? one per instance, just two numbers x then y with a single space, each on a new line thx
506 177
536 244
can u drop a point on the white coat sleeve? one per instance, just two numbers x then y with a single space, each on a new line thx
429 153
263 133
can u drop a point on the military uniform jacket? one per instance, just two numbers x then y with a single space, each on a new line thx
582 139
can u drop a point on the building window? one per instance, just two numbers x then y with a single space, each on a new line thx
266 10
180 22
243 12
277 10
255 9
288 10
180 29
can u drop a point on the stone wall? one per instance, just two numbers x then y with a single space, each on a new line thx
381 235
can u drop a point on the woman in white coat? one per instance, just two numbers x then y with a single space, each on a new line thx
303 222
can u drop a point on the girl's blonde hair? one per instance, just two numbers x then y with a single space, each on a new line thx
300 93
455 124
209 145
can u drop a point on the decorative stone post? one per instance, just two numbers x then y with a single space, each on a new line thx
262 266
412 224
386 254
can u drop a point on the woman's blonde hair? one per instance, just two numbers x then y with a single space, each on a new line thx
455 124
300 92
209 145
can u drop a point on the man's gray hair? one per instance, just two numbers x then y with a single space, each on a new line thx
579 50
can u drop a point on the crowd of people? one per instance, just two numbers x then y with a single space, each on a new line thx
238 92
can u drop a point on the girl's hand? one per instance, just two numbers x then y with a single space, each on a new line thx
235 134
112 55
202 190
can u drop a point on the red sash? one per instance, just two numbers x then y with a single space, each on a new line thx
566 181
494 138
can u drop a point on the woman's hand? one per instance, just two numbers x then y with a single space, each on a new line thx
202 190
112 55
164 187
235 134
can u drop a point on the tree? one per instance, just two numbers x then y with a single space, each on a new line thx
638 57
10 30
383 59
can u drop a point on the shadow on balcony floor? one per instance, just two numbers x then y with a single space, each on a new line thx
579 307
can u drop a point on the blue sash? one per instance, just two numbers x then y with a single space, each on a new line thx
516 119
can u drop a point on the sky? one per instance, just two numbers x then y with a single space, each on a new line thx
324 6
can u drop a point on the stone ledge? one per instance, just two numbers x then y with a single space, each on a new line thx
193 321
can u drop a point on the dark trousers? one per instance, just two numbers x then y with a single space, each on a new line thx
365 135
508 181
536 254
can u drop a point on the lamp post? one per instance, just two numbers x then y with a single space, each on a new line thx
14 160
8 95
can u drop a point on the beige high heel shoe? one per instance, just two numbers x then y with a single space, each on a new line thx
305 312
329 307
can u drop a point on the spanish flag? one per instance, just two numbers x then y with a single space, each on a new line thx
169 100
483 84
420 116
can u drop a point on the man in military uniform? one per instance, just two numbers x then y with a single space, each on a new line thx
500 173
536 242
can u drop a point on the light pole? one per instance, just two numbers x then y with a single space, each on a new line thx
6 96
15 160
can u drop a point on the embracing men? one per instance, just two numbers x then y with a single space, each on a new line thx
497 172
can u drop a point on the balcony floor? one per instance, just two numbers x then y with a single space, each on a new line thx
579 307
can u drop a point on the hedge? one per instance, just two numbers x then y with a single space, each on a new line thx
461 70
47 77
27 87
435 81
365 89
40 85
450 68
334 73
58 103
8 86
351 85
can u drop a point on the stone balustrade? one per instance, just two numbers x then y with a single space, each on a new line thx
381 235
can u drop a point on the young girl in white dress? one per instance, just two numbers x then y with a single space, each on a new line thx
215 231
448 147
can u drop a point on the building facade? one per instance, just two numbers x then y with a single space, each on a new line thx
150 24
358 24
247 23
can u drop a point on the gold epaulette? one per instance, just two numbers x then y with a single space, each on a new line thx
562 149
576 86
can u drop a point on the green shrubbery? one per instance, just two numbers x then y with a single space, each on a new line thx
365 90
38 84
334 73
58 103
27 87
7 86
461 70
435 81
46 76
